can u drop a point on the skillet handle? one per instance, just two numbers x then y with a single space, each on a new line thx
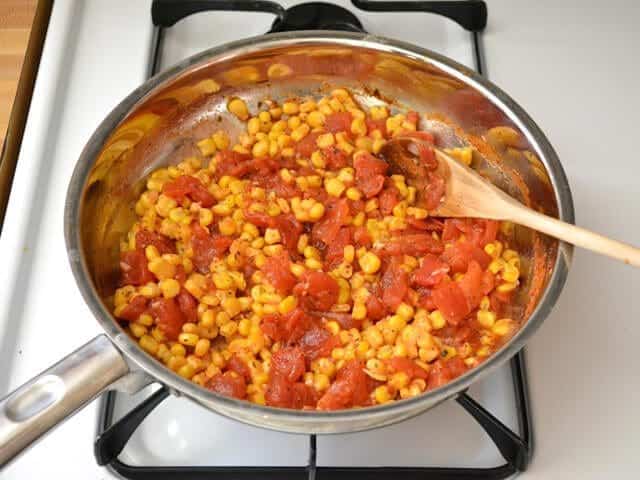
57 393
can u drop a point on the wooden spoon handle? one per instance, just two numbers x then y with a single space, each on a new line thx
575 235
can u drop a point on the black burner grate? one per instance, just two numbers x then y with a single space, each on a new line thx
516 449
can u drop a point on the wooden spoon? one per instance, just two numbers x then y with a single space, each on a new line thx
467 194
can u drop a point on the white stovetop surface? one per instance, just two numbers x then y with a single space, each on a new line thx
572 67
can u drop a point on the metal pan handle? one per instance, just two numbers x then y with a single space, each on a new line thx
57 393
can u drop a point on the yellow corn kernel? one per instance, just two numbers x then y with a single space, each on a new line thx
486 318
223 281
150 290
231 306
485 303
227 226
272 236
506 287
316 212
358 127
345 291
359 219
379 113
353 194
382 395
207 146
437 319
317 159
290 108
228 329
260 149
149 344
502 327
416 212
161 268
202 347
405 311
253 125
510 273
370 263
325 140
313 264
348 253
364 143
238 107
316 119
189 339
287 304
297 269
399 380
359 311
222 140
371 205
137 330
169 287
334 187
496 265
378 143
321 381
346 175
300 132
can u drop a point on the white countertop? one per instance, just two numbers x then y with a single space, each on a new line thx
573 68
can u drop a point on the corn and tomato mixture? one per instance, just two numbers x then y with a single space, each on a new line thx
292 269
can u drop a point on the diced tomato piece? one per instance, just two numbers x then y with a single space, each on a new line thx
415 244
228 384
408 366
279 392
361 237
479 232
345 320
431 271
335 217
136 307
370 173
236 364
413 117
334 252
207 247
277 270
375 307
274 183
169 316
460 254
318 342
488 282
317 291
351 388
288 328
188 186
451 301
259 219
433 192
394 284
145 237
335 158
307 145
181 274
373 125
338 122
471 285
443 371
290 230
490 232
188 305
303 396
133 268
421 135
388 199
289 363
425 298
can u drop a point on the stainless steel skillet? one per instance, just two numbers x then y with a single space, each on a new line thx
160 122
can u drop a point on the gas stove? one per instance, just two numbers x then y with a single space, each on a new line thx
155 435
96 52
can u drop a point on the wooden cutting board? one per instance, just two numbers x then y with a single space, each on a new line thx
16 17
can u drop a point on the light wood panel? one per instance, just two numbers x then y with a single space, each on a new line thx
16 17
